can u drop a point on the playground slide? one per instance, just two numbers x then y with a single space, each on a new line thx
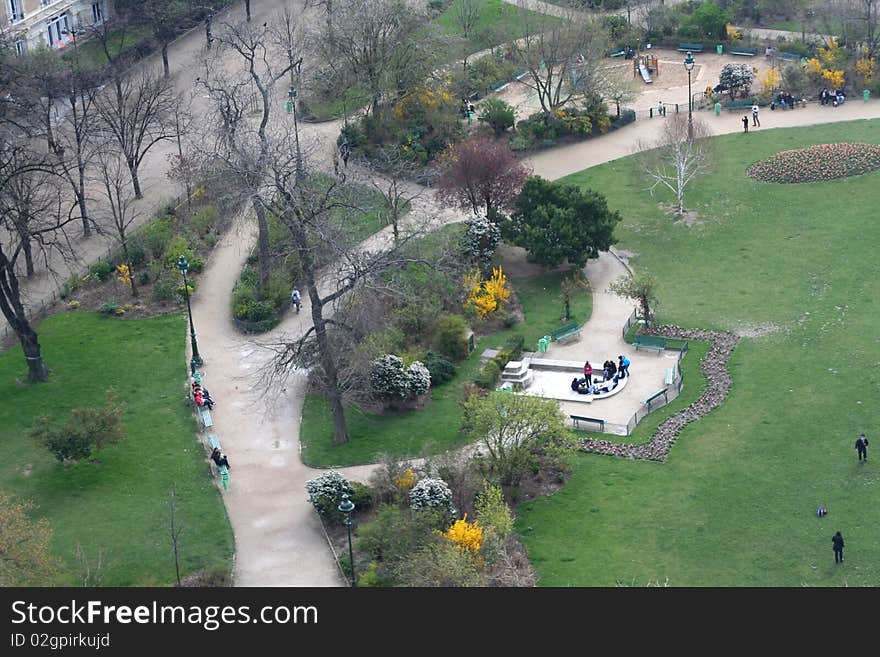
645 75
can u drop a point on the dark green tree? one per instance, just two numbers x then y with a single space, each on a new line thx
555 222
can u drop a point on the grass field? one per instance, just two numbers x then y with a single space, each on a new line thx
498 22
794 268
118 505
436 427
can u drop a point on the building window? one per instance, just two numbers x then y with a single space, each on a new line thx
20 47
15 12
57 28
97 13
46 3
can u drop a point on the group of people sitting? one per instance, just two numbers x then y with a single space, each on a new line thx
611 374
835 98
202 397
786 101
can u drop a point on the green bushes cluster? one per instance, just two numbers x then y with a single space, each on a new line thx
101 270
450 337
441 369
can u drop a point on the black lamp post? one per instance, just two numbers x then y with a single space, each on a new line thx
346 506
196 360
689 65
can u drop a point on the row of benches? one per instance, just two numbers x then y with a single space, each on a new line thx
743 51
213 441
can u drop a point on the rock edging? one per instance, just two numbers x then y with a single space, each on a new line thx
718 383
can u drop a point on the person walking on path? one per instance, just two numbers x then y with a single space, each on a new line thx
862 447
755 121
588 372
745 121
623 366
837 544
296 299
661 109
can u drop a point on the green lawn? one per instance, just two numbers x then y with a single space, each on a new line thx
435 428
90 56
120 504
499 22
735 504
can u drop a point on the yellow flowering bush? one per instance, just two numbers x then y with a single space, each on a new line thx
488 296
123 275
466 535
733 34
865 68
405 480
770 81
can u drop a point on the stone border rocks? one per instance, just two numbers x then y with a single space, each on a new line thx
718 382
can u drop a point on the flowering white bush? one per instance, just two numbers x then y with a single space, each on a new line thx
325 491
388 378
419 378
480 240
431 493
737 76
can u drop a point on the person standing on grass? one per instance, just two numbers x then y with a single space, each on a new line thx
745 120
862 447
755 121
837 544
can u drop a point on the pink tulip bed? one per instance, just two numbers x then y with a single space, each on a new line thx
816 163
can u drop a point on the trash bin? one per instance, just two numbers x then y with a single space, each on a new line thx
717 109
543 344
719 49
866 94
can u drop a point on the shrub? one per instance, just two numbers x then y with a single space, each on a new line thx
144 277
110 308
325 493
488 375
440 369
480 240
510 321
157 235
430 493
73 305
101 270
387 377
451 338
203 219
73 283
197 265
165 288
515 344
419 378
86 429
137 252
361 496
497 114
626 117
178 246
521 141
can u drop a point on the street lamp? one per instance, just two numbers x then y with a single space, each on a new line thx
196 360
689 65
346 506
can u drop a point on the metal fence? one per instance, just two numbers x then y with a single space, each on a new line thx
672 391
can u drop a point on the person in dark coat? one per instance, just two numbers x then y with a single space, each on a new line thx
220 458
862 447
837 544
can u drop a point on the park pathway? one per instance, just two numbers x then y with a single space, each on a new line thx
279 541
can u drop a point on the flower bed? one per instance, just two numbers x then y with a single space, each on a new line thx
819 162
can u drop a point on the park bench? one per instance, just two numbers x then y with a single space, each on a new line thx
690 47
739 104
660 393
789 56
576 419
565 331
741 50
649 342
670 376
617 53
222 471
205 416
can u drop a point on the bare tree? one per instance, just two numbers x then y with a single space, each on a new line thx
562 59
289 36
675 160
119 205
138 117
249 160
395 177
91 575
175 529
376 40
45 229
620 90
164 18
467 14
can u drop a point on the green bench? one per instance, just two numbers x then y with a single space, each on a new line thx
690 47
565 331
617 53
223 471
745 52
739 104
649 342
577 419
789 56
205 417
660 393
